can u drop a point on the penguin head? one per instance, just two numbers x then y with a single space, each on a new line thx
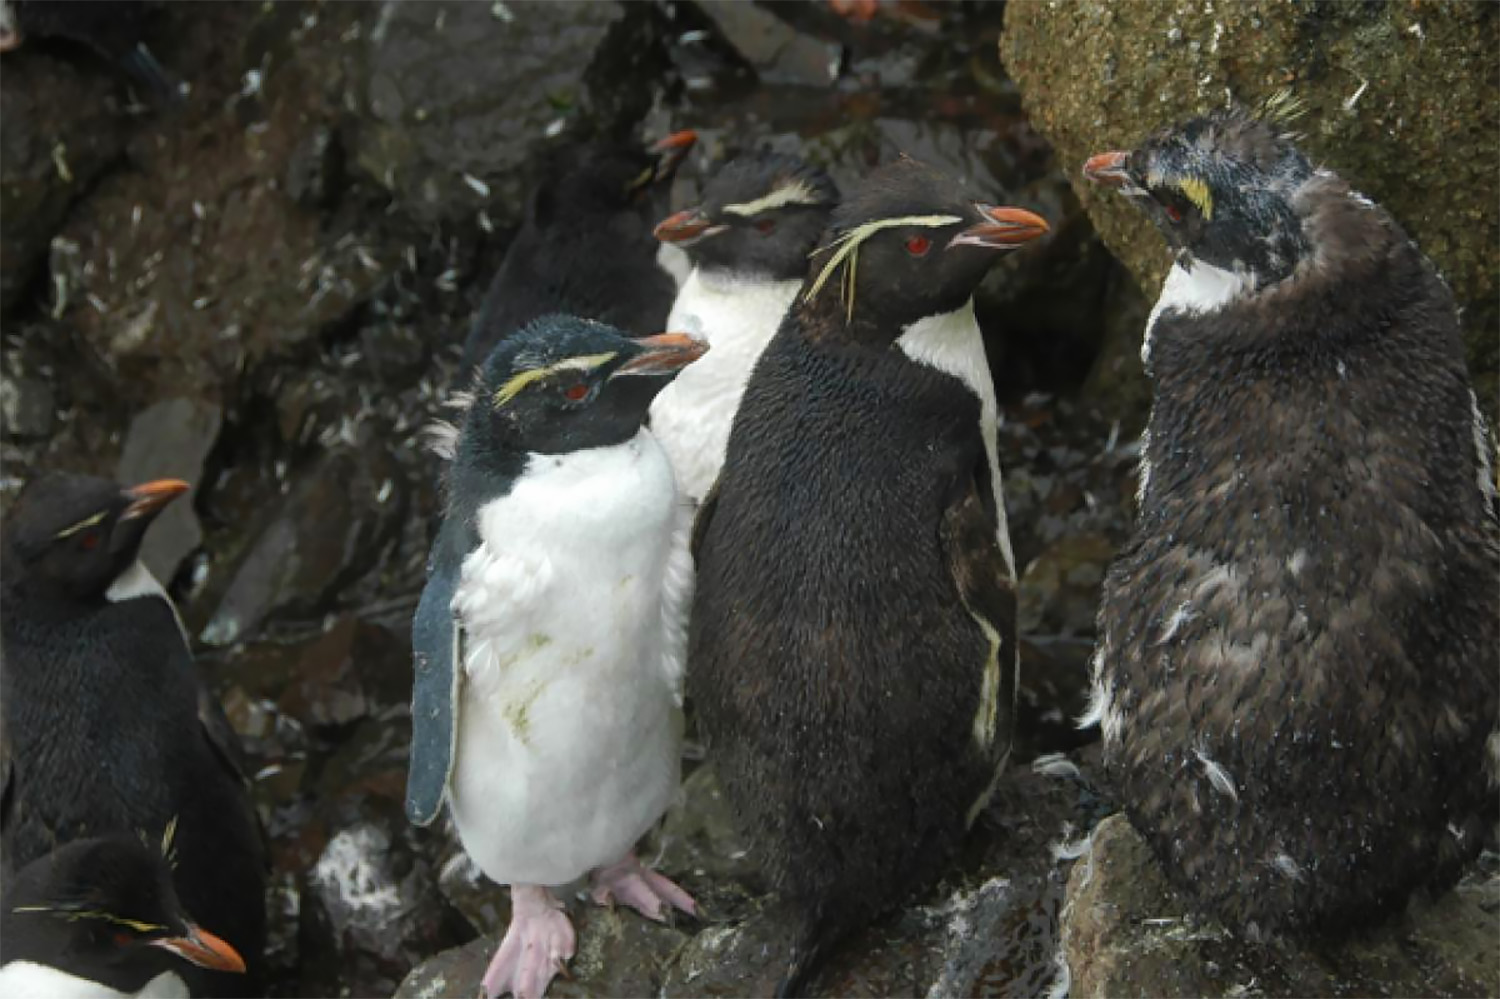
73 534
1222 188
908 244
107 908
583 183
564 384
761 215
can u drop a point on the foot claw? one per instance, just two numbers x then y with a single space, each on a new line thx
632 883
536 944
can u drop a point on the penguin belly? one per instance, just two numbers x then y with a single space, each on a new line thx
570 720
691 417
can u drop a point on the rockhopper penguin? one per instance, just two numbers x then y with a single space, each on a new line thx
585 246
108 728
549 641
761 216
853 649
100 918
1296 675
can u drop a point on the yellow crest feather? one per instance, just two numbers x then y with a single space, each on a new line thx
846 249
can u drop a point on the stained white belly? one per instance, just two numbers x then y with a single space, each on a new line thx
569 719
692 416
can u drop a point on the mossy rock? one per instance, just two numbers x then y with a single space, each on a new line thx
1402 101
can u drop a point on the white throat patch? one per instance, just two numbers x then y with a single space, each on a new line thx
952 344
1205 288
137 581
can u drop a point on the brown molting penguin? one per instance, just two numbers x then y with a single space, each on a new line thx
1296 674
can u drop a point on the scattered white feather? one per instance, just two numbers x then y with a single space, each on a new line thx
1218 777
1056 765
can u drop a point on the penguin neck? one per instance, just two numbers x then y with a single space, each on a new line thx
951 343
137 583
723 304
1196 287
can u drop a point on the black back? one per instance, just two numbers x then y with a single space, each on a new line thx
108 728
585 248
832 664
1313 505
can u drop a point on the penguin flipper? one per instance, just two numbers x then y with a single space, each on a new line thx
435 637
970 537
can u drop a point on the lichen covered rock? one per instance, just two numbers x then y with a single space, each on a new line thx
1401 101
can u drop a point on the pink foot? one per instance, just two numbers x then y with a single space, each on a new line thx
537 945
638 886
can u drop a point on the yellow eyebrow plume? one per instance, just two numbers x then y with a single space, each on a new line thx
846 248
513 387
1197 192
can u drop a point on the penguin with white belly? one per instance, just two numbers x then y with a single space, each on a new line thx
549 641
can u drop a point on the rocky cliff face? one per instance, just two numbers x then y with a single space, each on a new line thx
1401 101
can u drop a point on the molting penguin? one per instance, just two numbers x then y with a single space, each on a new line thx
585 246
108 727
1296 670
761 216
547 705
853 648
100 918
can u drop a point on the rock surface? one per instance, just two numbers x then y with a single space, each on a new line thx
989 929
1126 932
1401 101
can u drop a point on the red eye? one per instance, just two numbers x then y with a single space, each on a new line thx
765 225
576 393
89 540
1174 213
123 939
918 246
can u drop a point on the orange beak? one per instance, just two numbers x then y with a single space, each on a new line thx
665 353
679 142
149 497
203 949
686 227
1107 169
1003 228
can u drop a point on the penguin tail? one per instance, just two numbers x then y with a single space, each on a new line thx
816 937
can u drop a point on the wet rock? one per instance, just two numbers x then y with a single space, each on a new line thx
459 94
779 53
48 159
197 264
26 407
368 913
1126 932
1059 591
171 439
329 530
314 171
1400 102
355 670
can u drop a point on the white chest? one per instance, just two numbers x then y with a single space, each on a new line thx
1205 288
27 980
693 415
573 616
952 343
